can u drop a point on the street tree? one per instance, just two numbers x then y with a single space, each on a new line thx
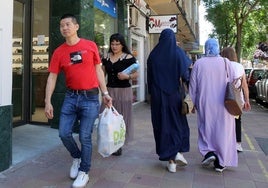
231 17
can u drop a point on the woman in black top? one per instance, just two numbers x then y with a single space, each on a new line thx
119 85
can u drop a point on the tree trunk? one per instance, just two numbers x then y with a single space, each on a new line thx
238 41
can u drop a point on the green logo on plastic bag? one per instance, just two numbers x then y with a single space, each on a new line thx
119 136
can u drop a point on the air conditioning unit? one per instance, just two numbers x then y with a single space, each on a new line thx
134 14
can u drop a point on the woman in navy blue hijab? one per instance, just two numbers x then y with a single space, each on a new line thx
166 64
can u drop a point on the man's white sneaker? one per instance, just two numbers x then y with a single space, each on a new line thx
239 147
171 166
180 160
81 180
74 168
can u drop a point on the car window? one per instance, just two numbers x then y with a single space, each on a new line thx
266 75
247 71
257 73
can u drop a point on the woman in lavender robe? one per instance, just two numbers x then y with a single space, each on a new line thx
166 64
216 127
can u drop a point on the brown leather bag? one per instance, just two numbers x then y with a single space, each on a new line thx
184 105
232 100
184 108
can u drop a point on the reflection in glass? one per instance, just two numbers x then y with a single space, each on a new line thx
17 65
40 42
104 28
135 82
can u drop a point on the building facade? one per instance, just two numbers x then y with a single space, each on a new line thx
29 33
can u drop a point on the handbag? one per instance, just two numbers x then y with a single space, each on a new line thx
184 108
232 100
184 104
111 132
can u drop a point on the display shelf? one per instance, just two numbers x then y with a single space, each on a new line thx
39 52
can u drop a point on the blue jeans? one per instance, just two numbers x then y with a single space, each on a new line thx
85 108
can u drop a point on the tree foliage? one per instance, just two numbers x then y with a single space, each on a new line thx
238 23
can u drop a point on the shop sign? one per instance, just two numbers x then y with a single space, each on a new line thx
107 6
158 23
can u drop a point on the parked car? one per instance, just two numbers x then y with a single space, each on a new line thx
262 88
252 79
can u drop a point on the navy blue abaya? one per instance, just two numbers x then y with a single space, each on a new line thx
165 65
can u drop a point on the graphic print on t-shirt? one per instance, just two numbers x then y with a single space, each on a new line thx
76 57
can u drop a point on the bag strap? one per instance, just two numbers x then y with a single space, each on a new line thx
183 89
114 110
235 80
226 67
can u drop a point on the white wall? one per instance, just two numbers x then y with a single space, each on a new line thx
6 21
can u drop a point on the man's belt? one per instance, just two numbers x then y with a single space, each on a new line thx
93 91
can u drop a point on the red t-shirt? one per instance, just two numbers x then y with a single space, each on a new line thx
78 64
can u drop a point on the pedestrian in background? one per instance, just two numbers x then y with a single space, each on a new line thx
230 53
166 64
216 127
118 59
79 59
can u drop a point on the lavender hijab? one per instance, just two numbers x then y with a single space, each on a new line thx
166 63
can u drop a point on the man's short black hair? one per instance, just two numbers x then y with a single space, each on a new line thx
68 15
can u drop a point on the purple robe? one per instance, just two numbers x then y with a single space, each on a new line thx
216 127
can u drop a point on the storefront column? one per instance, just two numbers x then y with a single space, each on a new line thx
5 137
122 18
6 18
84 11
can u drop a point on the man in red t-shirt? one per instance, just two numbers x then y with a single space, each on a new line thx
79 59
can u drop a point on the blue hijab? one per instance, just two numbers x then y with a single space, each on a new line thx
167 63
212 48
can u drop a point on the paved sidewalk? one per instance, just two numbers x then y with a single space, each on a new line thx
139 166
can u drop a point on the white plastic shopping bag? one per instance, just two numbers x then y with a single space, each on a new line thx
111 132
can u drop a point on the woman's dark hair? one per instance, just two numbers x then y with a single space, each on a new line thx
119 38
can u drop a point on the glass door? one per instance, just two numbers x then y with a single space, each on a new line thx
30 60
39 60
137 49
18 60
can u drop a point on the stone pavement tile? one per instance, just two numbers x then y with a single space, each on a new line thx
209 180
207 170
139 166
255 169
180 175
202 185
176 183
238 183
261 185
260 177
117 176
125 166
140 154
242 175
133 185
146 180
104 183
150 167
